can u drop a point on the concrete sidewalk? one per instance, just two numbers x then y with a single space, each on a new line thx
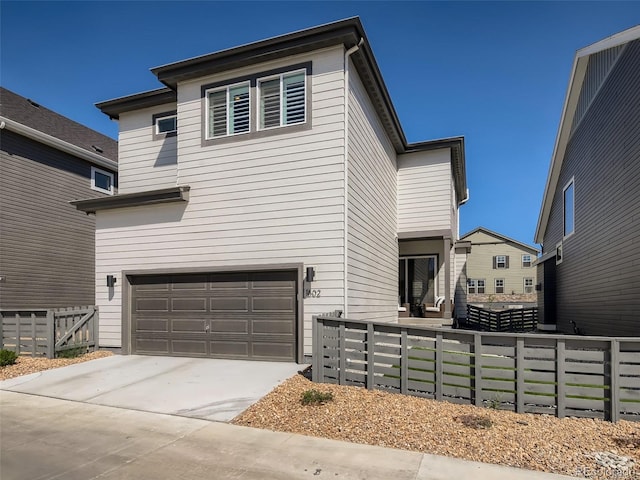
47 438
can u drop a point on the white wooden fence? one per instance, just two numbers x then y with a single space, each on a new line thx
46 332
561 375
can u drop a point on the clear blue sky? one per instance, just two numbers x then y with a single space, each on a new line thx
495 72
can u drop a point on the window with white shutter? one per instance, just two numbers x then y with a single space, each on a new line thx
282 100
228 110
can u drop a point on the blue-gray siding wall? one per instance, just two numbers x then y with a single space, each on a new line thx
598 281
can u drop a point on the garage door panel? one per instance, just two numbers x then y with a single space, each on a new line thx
233 349
152 304
189 304
153 325
186 325
230 304
230 326
231 315
273 304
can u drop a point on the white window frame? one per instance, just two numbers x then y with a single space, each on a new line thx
484 285
95 170
569 184
281 77
530 261
524 283
504 261
495 285
475 284
226 89
158 132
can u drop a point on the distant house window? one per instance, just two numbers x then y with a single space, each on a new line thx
228 110
101 181
166 124
282 100
526 260
528 285
501 261
475 286
499 285
569 208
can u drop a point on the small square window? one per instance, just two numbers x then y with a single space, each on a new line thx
499 285
528 285
167 124
526 260
101 181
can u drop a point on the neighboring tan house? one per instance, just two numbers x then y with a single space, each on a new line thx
47 247
589 221
500 270
266 184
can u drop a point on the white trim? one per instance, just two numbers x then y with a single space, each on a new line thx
95 170
495 285
61 145
226 89
615 40
158 132
530 260
573 213
406 273
498 262
524 285
281 76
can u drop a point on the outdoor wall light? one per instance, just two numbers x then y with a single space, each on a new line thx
111 281
311 274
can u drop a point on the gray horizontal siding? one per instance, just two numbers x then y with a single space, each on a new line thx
46 245
598 282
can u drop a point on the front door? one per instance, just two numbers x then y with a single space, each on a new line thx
417 283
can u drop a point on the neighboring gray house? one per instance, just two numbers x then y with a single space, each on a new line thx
266 184
47 247
500 270
589 221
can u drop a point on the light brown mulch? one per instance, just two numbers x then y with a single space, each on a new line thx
534 442
26 365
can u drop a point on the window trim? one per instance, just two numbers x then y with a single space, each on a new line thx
498 262
524 285
476 286
495 285
530 260
226 89
280 76
159 119
254 133
95 170
570 183
154 125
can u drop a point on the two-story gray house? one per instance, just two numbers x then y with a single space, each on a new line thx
47 247
589 221
266 184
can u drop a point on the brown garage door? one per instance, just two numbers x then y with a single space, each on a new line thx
248 315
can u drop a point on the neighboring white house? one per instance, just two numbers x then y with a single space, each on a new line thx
263 185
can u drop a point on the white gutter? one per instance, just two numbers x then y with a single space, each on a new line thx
54 142
347 54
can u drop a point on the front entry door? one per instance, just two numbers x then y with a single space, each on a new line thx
417 282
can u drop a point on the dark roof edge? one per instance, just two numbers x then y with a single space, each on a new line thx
496 234
458 160
160 96
164 195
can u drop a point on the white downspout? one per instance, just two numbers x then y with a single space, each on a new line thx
347 54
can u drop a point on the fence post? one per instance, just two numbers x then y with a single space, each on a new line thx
18 334
560 378
96 328
34 341
370 354
317 347
439 366
477 362
614 387
404 362
1 331
520 375
51 334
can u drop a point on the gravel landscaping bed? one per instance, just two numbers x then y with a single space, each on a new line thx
585 448
25 365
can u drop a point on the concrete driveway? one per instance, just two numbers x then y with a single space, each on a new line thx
209 389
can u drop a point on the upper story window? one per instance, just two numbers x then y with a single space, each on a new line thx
101 181
228 110
501 261
568 208
168 124
526 260
282 100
